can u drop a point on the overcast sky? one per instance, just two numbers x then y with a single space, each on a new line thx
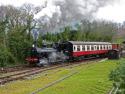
114 12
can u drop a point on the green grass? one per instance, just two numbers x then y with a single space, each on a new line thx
91 79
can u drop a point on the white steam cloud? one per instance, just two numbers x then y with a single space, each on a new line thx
59 13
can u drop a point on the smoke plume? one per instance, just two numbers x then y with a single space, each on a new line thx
70 11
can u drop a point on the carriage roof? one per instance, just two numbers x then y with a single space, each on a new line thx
84 43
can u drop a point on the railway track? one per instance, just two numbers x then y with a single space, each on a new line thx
33 71
12 69
21 75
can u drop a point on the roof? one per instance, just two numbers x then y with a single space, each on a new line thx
84 43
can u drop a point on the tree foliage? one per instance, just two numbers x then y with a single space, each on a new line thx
15 28
87 31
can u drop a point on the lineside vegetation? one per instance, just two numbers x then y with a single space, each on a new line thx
118 77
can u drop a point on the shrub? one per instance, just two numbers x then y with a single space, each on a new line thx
118 77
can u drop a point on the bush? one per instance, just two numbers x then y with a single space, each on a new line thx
118 77
18 44
6 58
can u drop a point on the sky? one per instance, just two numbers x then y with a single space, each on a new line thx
114 12
20 2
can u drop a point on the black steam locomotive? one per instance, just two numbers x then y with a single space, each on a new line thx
56 53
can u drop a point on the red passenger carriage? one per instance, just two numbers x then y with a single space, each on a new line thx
80 49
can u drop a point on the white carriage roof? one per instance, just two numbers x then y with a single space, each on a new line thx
82 42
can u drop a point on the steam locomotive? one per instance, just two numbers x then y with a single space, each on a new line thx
71 51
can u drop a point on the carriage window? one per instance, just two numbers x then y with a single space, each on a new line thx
104 47
88 48
107 47
92 47
110 47
98 47
78 48
83 48
74 48
95 47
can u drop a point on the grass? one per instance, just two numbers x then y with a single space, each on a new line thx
91 79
